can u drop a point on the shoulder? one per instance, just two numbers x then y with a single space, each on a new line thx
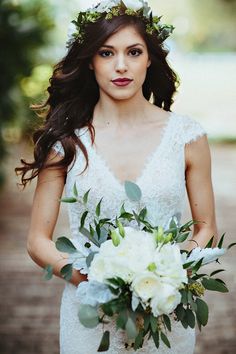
188 129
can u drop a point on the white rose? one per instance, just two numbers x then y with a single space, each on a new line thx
133 4
132 256
166 300
138 248
111 261
146 285
169 265
208 254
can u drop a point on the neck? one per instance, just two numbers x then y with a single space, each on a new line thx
120 113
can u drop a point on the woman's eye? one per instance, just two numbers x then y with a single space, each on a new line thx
105 53
135 52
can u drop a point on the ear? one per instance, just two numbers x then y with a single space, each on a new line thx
90 66
149 63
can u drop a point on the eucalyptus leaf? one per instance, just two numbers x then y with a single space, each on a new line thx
88 316
143 213
156 339
66 271
68 200
214 285
202 312
122 319
131 329
85 197
197 265
63 244
217 271
167 322
180 312
87 233
220 244
146 322
190 318
75 191
133 191
83 218
105 342
153 322
210 243
231 245
136 217
89 258
165 340
98 208
48 272
184 298
182 237
139 340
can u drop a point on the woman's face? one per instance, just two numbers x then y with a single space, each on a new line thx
120 65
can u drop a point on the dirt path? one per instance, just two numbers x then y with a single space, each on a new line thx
29 306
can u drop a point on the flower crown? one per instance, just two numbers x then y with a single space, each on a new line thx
109 9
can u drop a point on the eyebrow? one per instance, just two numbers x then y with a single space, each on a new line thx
130 46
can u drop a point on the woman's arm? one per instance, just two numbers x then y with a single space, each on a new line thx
200 192
44 216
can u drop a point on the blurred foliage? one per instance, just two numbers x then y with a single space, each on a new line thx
213 25
24 26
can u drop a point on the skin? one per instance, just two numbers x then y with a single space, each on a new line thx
133 118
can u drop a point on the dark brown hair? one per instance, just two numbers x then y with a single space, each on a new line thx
74 92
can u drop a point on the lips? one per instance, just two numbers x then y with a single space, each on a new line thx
122 80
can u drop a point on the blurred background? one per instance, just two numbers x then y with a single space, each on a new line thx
203 53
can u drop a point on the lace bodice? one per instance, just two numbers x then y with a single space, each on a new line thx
162 182
162 179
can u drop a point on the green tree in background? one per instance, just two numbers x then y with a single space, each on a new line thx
23 30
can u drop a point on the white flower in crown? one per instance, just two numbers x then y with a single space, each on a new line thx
70 32
105 6
133 4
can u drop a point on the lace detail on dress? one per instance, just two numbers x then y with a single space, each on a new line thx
76 339
162 182
58 148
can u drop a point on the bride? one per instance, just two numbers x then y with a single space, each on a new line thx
108 120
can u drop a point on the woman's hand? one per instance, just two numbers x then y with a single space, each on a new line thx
77 277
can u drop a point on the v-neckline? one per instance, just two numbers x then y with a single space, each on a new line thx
147 162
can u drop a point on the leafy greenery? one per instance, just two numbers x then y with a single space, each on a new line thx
24 27
138 321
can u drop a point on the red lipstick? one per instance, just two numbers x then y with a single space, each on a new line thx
122 81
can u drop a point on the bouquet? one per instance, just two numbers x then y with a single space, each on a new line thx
138 275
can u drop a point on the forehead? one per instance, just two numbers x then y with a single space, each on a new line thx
126 36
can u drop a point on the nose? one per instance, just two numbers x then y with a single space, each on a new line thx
121 65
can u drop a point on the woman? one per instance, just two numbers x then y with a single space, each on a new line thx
100 130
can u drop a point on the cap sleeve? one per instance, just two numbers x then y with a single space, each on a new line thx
58 148
191 130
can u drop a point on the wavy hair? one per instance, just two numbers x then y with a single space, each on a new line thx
74 92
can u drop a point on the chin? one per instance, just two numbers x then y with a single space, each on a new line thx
123 96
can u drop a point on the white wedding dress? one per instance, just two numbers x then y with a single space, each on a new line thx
162 182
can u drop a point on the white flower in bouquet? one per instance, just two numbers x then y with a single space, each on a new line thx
166 300
208 254
124 260
146 285
169 265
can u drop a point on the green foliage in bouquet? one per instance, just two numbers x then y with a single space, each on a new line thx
130 313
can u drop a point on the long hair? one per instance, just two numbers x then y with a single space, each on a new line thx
74 92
